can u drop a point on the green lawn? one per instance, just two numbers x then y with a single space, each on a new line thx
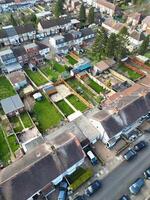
26 120
147 54
77 103
13 143
65 108
6 89
83 91
46 115
16 124
4 150
128 72
50 73
58 67
71 60
36 77
95 86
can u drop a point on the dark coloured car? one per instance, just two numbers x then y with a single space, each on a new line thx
125 197
93 188
147 173
136 186
80 197
130 154
140 146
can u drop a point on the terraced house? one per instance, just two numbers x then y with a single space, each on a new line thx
41 169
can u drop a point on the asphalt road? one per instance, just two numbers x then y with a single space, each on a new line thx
117 182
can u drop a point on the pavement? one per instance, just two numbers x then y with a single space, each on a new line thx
116 183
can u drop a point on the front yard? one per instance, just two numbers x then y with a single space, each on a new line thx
6 89
65 108
45 115
77 103
26 120
36 77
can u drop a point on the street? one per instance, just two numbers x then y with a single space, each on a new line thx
117 182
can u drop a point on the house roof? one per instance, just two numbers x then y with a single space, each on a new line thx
16 77
19 51
24 28
113 24
3 34
10 31
11 104
117 114
105 64
135 16
139 36
39 167
146 20
107 4
86 32
54 22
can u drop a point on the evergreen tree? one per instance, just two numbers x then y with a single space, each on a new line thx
58 8
34 19
111 45
82 14
91 16
124 31
13 20
144 46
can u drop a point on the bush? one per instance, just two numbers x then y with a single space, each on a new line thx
86 175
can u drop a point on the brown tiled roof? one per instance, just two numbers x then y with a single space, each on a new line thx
54 22
107 4
24 28
112 23
137 36
105 64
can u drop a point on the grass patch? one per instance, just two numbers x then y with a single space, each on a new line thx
51 74
58 67
6 89
26 120
16 124
71 60
77 103
65 108
13 143
4 150
83 91
147 54
46 115
79 177
128 72
36 77
95 86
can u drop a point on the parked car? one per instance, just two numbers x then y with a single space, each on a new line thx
140 146
80 197
63 187
136 186
147 173
93 187
92 158
125 197
129 155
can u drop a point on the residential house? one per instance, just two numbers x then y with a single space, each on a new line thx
3 38
134 19
146 25
20 54
54 26
8 61
112 26
103 65
117 115
18 79
43 49
12 35
63 43
26 32
107 7
12 105
46 165
136 38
